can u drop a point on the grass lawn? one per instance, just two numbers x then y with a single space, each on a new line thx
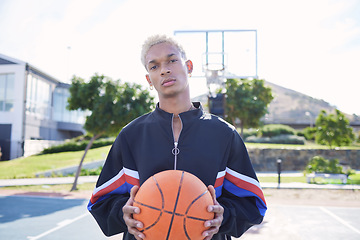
354 179
52 188
308 145
283 179
29 166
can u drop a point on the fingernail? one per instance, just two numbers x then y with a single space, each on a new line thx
205 234
139 225
207 224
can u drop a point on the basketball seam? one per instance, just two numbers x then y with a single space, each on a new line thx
188 209
176 202
173 213
161 210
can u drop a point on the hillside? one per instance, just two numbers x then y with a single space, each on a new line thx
290 107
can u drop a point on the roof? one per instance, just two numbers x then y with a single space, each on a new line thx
9 60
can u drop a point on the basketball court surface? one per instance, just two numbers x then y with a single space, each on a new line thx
51 218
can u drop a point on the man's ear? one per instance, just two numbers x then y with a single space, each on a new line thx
148 79
189 66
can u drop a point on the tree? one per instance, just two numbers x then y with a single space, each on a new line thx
333 129
112 106
246 100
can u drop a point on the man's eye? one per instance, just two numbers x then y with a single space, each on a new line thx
173 60
153 67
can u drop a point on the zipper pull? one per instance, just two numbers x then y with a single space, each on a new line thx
175 151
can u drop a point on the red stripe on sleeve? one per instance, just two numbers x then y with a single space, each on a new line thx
219 181
246 185
133 181
108 189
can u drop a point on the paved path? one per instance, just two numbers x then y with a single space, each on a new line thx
45 181
44 218
92 179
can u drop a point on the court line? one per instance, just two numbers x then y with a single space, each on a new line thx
339 220
60 225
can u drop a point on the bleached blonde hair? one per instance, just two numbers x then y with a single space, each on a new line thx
157 39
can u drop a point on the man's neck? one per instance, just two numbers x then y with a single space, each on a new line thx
175 106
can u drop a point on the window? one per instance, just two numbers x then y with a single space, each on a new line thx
38 97
60 113
7 92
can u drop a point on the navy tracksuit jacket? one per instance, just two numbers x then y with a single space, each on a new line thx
208 147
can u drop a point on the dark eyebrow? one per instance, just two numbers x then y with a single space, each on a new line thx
168 56
152 61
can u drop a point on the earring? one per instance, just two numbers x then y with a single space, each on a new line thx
151 87
190 75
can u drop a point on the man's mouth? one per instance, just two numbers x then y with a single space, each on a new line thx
168 82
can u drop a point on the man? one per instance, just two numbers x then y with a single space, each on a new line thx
178 134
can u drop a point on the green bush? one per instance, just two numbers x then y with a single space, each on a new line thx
280 139
91 172
300 134
272 130
249 132
72 145
85 172
322 165
309 133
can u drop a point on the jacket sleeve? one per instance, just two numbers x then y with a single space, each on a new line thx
113 190
240 194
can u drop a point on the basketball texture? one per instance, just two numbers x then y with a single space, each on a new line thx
173 205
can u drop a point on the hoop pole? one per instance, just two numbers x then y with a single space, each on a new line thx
207 47
223 48
256 55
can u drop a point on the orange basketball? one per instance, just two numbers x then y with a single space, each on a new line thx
173 205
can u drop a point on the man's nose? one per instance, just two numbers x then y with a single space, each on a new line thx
165 70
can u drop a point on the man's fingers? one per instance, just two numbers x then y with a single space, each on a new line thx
212 191
127 209
133 191
215 209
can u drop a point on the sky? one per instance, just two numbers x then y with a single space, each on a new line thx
312 47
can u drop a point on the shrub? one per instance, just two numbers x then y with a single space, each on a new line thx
272 130
72 145
254 139
322 165
309 133
300 134
249 132
280 139
91 172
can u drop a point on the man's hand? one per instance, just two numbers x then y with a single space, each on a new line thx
128 211
215 223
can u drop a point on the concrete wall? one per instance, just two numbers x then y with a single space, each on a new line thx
32 147
16 116
264 160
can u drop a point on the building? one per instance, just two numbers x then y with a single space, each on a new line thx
33 109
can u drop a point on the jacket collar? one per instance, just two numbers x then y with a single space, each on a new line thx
185 116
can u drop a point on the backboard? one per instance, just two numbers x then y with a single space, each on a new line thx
233 53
